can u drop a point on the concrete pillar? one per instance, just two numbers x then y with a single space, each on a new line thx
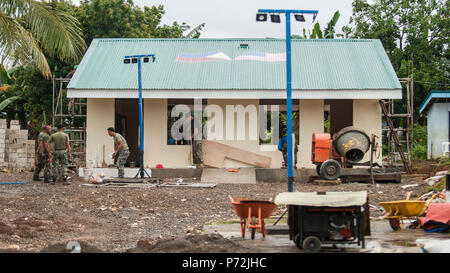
100 116
311 121
367 115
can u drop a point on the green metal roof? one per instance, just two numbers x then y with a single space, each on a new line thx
317 64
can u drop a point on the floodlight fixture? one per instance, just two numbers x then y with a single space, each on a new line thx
146 59
261 17
314 17
275 18
126 61
299 17
134 60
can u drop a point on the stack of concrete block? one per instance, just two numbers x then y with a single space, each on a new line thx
18 151
31 152
3 161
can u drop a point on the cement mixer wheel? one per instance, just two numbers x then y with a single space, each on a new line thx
330 169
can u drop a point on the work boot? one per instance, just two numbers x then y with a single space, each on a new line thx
36 178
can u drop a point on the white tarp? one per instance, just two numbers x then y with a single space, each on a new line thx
330 199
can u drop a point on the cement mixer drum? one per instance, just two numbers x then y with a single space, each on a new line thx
351 143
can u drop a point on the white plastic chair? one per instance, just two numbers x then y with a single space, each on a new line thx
445 148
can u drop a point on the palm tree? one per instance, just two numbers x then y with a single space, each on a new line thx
29 29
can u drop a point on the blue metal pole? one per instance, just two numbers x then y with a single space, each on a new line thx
141 123
289 102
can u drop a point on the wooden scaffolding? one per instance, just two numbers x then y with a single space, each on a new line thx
398 128
71 112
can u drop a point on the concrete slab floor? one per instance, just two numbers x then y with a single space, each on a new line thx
382 240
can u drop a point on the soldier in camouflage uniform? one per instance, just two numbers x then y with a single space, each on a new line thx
121 150
61 153
43 155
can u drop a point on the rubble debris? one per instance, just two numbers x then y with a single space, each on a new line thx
409 186
436 178
190 185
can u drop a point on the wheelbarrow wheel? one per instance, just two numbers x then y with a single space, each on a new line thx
394 223
311 244
253 231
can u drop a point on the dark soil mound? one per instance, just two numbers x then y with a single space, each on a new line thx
28 221
5 229
206 243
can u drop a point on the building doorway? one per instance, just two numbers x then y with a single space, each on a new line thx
127 124
340 114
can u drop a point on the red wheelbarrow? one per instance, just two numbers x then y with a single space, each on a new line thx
252 214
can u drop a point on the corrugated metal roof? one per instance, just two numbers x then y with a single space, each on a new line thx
317 64
434 94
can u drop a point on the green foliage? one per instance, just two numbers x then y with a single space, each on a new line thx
415 35
420 134
29 29
99 19
5 103
330 30
317 33
35 93
124 19
419 149
437 187
5 79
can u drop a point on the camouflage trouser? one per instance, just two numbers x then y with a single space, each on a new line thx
43 162
197 152
59 165
121 161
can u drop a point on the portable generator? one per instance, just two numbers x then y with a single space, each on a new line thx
328 218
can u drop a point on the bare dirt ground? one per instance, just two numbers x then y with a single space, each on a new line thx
36 216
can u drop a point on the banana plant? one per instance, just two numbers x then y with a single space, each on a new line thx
330 30
318 33
195 32
5 103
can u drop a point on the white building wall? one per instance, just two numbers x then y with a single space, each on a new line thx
101 115
367 115
311 121
437 126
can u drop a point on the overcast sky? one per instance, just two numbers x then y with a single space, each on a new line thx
237 18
